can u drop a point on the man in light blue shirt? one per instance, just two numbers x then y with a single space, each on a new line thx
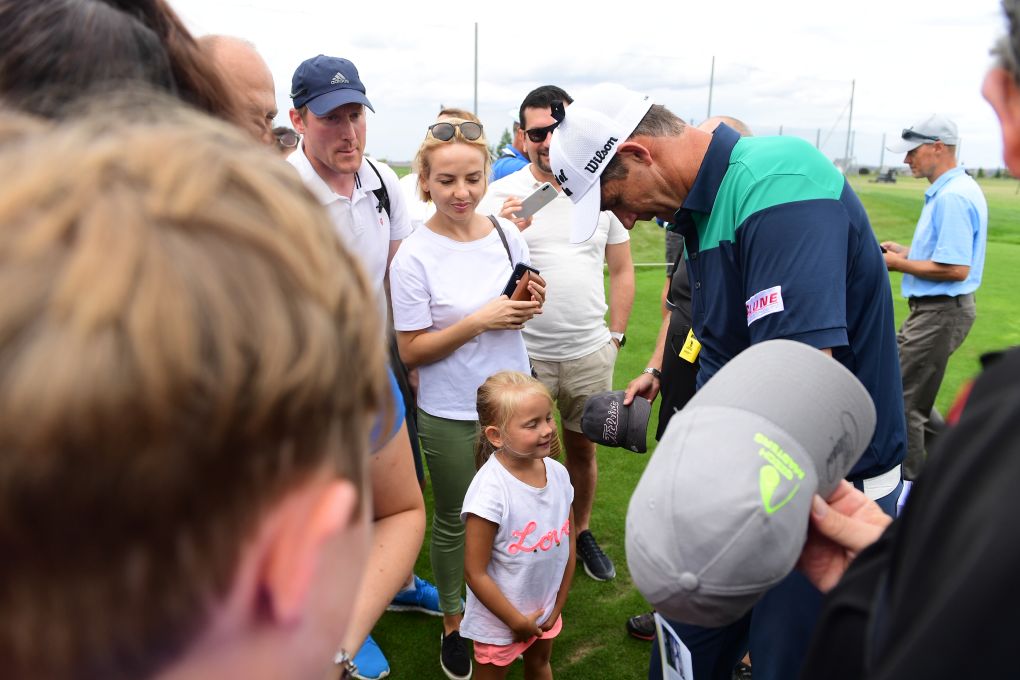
941 270
511 159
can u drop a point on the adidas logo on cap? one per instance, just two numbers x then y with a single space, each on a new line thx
339 79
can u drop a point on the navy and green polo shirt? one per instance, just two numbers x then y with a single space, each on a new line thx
779 246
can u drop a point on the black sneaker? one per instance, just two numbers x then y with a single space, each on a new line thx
741 671
642 626
454 657
596 563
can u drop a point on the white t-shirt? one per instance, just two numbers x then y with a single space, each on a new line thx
435 282
572 323
531 548
364 229
419 210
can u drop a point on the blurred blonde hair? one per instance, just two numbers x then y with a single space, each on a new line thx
421 160
182 342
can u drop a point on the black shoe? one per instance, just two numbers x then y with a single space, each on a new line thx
596 563
454 657
642 626
742 671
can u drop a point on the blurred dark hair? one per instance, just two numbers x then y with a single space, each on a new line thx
540 98
53 52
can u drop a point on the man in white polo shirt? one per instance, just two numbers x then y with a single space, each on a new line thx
367 208
329 114
571 349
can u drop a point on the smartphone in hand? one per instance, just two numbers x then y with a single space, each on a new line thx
517 287
538 199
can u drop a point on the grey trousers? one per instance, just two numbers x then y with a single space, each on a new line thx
933 330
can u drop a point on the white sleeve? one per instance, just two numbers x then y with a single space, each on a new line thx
485 497
564 477
409 293
617 232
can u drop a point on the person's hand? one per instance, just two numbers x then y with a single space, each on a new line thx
645 385
550 622
840 528
510 206
894 255
526 627
536 286
504 314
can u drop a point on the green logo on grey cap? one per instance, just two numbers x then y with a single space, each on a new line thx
780 466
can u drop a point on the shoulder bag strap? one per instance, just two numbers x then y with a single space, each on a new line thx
502 237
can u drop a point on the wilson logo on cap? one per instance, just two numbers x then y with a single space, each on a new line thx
592 166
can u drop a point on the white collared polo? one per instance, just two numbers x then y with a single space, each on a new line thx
364 228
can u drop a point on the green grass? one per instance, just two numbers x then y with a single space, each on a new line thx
593 643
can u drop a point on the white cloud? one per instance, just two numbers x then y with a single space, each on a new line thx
785 63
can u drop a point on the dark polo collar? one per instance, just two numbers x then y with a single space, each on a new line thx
710 176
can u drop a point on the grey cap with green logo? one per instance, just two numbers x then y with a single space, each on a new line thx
720 514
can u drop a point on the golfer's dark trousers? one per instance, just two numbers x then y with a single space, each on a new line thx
777 631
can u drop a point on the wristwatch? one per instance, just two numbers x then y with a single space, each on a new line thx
619 337
345 662
654 372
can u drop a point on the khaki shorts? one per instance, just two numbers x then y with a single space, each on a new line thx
572 382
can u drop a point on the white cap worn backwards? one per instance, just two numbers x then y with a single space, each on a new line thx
585 141
934 128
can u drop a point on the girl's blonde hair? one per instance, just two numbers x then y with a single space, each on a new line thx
498 398
423 166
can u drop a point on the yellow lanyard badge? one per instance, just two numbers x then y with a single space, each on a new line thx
691 348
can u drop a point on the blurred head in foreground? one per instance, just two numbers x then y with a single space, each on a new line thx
54 52
189 371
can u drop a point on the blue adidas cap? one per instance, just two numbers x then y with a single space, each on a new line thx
324 83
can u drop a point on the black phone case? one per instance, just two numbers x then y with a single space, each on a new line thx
518 272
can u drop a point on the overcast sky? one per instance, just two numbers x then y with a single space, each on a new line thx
781 66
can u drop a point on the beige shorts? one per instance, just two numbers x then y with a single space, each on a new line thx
572 382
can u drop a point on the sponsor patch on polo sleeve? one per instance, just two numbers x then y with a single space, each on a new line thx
768 301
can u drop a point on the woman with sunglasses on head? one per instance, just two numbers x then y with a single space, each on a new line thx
456 327
418 209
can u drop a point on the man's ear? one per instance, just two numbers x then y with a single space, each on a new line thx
636 151
1002 92
296 122
494 436
301 525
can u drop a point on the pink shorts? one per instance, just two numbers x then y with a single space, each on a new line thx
504 655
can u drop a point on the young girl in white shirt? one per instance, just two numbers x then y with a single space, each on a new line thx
454 325
519 553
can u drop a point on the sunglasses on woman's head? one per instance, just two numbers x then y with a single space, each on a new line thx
444 131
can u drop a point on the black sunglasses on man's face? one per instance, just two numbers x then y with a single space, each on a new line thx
538 135
912 136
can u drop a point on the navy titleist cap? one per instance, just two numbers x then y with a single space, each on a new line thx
324 83
607 421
